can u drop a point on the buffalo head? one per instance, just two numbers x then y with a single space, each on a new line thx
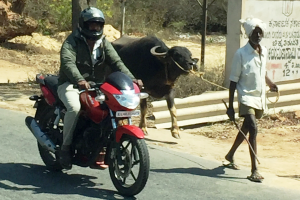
180 56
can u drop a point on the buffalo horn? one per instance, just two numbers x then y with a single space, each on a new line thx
153 52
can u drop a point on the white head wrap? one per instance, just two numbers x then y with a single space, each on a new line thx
250 23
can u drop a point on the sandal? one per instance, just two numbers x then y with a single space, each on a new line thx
231 166
99 164
255 177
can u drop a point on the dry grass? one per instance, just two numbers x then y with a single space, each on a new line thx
192 85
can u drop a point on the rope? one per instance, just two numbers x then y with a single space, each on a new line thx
200 74
179 66
274 102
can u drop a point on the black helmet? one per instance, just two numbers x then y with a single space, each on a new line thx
91 14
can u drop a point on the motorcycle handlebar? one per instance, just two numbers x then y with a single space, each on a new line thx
93 86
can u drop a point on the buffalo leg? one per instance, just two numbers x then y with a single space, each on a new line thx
173 112
143 107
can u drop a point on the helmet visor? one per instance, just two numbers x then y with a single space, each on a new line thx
95 19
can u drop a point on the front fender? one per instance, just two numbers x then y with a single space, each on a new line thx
129 130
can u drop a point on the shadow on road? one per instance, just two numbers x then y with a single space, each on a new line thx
37 179
217 172
165 142
296 177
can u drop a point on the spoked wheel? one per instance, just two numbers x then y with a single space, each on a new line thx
50 159
129 169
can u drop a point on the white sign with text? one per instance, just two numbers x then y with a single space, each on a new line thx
282 38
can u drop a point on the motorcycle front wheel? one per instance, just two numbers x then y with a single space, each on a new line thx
129 169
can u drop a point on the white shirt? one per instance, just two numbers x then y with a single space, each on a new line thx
248 70
96 52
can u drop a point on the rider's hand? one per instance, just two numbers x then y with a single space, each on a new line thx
139 82
84 85
273 87
230 112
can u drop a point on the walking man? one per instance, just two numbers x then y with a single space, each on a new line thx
248 76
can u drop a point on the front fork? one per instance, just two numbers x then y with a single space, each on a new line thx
114 122
119 131
128 129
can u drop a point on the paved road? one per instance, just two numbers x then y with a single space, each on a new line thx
173 175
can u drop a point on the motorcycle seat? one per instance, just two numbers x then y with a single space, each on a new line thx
51 82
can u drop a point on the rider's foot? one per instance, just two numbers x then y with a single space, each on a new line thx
99 164
65 158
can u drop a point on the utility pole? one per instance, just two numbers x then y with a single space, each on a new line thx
123 17
204 7
204 24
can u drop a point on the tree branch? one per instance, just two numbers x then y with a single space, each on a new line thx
199 3
210 4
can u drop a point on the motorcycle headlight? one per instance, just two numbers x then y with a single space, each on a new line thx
128 99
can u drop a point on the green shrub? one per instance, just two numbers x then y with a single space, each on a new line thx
192 85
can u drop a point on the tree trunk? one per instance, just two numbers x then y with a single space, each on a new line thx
77 7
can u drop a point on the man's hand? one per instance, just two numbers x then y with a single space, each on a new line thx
139 82
230 112
83 85
273 87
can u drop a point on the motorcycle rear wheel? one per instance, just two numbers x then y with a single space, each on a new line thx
129 171
50 159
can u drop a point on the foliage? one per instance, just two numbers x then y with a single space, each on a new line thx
147 17
61 10
52 15
105 7
56 15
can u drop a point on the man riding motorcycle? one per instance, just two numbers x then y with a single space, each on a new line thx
85 56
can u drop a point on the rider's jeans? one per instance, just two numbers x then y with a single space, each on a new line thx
70 97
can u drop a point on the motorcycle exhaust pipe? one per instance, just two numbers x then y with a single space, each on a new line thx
41 137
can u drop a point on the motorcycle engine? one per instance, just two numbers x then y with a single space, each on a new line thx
88 138
87 142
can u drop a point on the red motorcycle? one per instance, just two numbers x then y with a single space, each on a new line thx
104 125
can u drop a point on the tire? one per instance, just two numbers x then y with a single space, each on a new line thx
50 159
132 152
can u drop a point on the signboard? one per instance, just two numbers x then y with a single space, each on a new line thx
282 38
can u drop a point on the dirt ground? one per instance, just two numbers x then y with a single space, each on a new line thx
278 140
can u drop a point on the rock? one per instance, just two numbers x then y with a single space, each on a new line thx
297 114
111 33
38 43
13 24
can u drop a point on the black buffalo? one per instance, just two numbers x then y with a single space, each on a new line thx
158 66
